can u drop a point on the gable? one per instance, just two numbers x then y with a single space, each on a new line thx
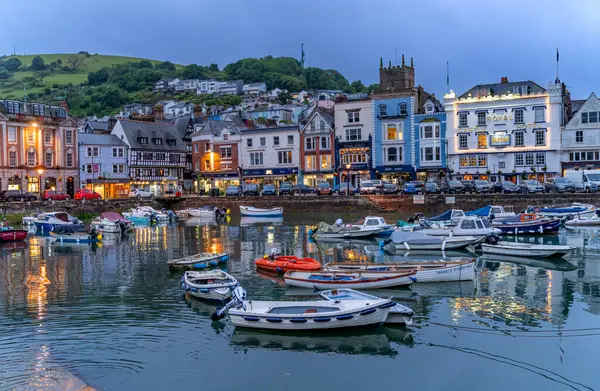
591 104
69 122
316 118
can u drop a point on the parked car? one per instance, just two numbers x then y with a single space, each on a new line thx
368 187
432 187
342 189
17 195
50 195
419 184
506 187
286 188
390 188
137 193
410 188
455 187
85 194
469 186
532 186
269 190
559 185
250 190
233 191
482 186
324 188
302 189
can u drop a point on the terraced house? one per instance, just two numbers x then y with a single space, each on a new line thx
317 156
39 147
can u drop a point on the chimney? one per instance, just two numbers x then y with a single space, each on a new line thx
250 124
112 121
504 80
157 112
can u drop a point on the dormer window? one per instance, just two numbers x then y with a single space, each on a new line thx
429 109
383 110
171 142
402 109
143 140
157 141
225 136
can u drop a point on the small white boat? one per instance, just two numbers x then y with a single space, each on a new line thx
339 230
576 209
349 279
526 249
111 223
465 226
376 222
206 211
198 261
47 222
430 271
29 220
259 212
399 314
160 216
304 315
402 240
583 222
208 285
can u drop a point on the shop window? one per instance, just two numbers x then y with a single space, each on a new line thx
310 163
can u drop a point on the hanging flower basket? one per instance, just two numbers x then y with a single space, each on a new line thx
60 179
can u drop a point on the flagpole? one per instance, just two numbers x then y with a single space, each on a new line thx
557 61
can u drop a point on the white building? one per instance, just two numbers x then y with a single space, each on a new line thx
187 85
270 155
231 87
179 109
509 130
208 86
254 88
581 136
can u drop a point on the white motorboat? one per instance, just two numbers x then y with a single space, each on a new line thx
208 285
526 249
349 279
260 212
73 234
29 220
47 222
160 216
111 223
399 314
576 210
304 315
339 230
465 226
583 222
402 240
376 222
430 271
448 217
207 211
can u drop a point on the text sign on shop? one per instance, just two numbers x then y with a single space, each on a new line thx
419 199
451 200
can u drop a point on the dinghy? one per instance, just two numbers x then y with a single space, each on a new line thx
207 211
208 285
304 315
583 222
436 271
112 223
349 279
527 224
258 212
401 240
198 261
285 263
526 249
339 230
399 314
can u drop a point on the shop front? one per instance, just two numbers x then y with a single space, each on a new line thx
270 175
397 174
431 173
109 188
311 179
220 180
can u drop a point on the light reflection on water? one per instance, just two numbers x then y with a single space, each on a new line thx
113 316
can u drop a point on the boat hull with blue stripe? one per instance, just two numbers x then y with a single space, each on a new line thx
519 225
259 212
199 261
215 285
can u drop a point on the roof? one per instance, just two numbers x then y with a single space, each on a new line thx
502 88
258 129
136 129
577 104
215 127
254 84
325 114
100 139
99 125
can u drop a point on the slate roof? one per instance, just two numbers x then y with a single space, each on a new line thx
136 129
98 125
100 139
258 129
214 127
503 88
577 104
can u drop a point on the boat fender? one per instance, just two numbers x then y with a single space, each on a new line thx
310 232
278 269
183 286
194 289
444 245
414 279
407 246
204 290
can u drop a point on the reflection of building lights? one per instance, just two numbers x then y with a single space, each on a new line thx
270 237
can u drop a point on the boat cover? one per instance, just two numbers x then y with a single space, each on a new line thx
114 217
446 216
67 229
481 212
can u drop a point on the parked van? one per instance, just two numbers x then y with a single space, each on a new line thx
581 180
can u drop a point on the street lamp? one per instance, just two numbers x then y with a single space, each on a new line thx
348 166
40 172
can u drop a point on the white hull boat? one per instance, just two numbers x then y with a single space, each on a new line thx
341 231
401 240
198 261
259 212
349 279
208 285
526 249
399 314
206 212
583 222
436 271
465 226
111 223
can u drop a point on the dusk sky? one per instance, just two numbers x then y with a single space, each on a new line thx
482 40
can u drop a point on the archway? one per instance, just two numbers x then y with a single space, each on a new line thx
50 183
71 187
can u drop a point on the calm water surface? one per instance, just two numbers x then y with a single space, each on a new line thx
113 317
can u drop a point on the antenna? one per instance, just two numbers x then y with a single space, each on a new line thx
447 77
14 50
396 56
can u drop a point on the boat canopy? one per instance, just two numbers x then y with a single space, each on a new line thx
481 212
114 217
448 215
67 229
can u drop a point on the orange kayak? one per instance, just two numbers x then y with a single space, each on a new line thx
285 263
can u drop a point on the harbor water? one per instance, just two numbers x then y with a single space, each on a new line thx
113 317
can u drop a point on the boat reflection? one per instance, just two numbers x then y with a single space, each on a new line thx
559 264
13 246
246 220
199 221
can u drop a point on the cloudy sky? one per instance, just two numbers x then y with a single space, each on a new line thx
482 40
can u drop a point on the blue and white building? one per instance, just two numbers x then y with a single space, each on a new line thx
431 144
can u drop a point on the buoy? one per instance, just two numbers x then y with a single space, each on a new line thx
381 244
310 232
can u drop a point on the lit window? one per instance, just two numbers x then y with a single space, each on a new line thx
285 157
392 133
482 140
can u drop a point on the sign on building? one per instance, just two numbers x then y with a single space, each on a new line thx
419 199
451 200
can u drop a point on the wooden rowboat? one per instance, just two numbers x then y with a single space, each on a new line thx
349 279
198 261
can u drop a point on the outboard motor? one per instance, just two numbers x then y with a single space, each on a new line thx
492 217
492 239
238 295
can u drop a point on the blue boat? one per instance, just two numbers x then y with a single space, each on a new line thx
73 234
527 224
449 215
47 222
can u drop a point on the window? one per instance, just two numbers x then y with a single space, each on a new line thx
437 131
285 157
263 141
593 116
353 134
249 142
540 158
171 142
354 117
427 131
88 168
312 126
325 142
584 118
427 154
290 139
429 109
540 115
392 154
12 158
225 136
310 143
438 154
93 151
463 141
382 110
143 140
118 168
462 119
49 158
482 140
392 133
30 136
481 119
529 159
114 152
69 137
481 160
519 116
69 159
464 161
12 134
206 147
354 158
225 166
31 158
174 158
48 136
472 160
519 139
196 148
225 152
275 140
256 159
321 124
579 136
157 141
402 109
540 137
325 162
207 165
310 163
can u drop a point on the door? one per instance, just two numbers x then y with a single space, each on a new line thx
71 187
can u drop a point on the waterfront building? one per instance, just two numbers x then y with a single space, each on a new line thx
39 147
581 136
215 155
103 161
269 154
317 148
506 131
353 136
430 142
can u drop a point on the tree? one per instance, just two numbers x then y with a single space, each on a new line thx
192 71
213 67
4 74
145 64
12 64
358 86
284 98
41 75
75 61
99 77
167 66
38 64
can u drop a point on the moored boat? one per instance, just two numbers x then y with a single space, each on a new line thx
376 222
577 210
465 226
495 211
9 234
261 212
73 234
559 264
343 231
207 211
527 224
209 284
399 314
583 222
402 240
349 279
112 223
198 261
47 222
285 263
526 249
449 216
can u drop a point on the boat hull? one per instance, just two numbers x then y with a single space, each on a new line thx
256 212
189 263
534 228
543 251
283 264
389 280
213 292
13 235
448 244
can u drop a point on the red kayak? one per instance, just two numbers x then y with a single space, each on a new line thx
13 235
285 263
